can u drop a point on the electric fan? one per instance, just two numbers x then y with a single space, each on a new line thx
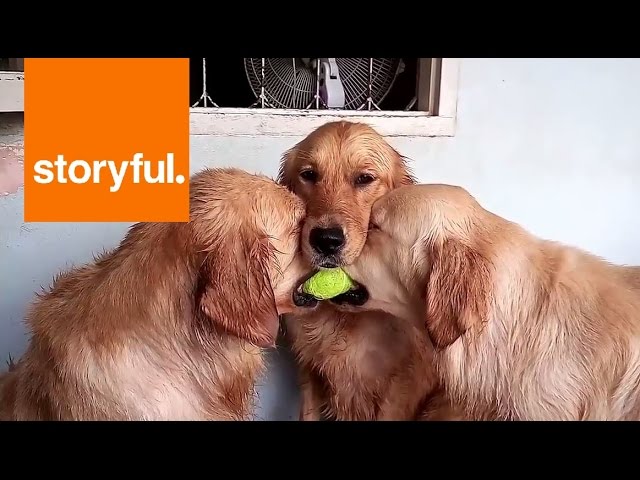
314 83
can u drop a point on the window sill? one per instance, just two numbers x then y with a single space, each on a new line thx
283 123
11 91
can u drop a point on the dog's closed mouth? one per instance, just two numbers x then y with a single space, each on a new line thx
356 297
302 299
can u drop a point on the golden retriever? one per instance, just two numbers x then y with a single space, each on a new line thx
171 324
631 275
353 366
524 328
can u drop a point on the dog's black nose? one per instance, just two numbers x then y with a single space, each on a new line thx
326 241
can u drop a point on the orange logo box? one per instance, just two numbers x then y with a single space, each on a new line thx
106 140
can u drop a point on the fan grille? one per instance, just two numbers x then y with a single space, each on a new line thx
290 83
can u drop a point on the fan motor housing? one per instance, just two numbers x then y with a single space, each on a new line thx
331 89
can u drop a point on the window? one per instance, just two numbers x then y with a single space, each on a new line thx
398 97
292 96
11 84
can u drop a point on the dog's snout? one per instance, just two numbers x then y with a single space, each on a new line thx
327 241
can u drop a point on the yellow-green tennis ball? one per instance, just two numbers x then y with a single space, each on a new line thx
327 284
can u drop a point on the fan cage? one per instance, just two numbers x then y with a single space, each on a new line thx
366 82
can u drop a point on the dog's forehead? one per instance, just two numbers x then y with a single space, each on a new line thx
296 205
418 210
279 209
402 203
423 197
401 199
396 222
341 153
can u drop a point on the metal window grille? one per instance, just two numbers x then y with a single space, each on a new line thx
316 103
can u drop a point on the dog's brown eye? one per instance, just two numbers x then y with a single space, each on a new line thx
309 176
364 179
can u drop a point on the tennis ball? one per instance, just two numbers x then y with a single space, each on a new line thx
328 283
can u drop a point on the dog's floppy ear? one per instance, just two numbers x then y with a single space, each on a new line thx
286 170
403 175
235 293
457 291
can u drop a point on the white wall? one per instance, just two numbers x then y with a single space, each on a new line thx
551 143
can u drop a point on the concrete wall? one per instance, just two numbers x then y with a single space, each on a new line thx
551 143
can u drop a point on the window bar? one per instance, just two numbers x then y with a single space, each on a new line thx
262 98
317 84
316 97
414 99
205 96
370 103
262 82
295 82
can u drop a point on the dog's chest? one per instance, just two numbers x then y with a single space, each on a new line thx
145 386
355 347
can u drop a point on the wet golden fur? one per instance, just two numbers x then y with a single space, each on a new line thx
524 328
171 324
353 366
